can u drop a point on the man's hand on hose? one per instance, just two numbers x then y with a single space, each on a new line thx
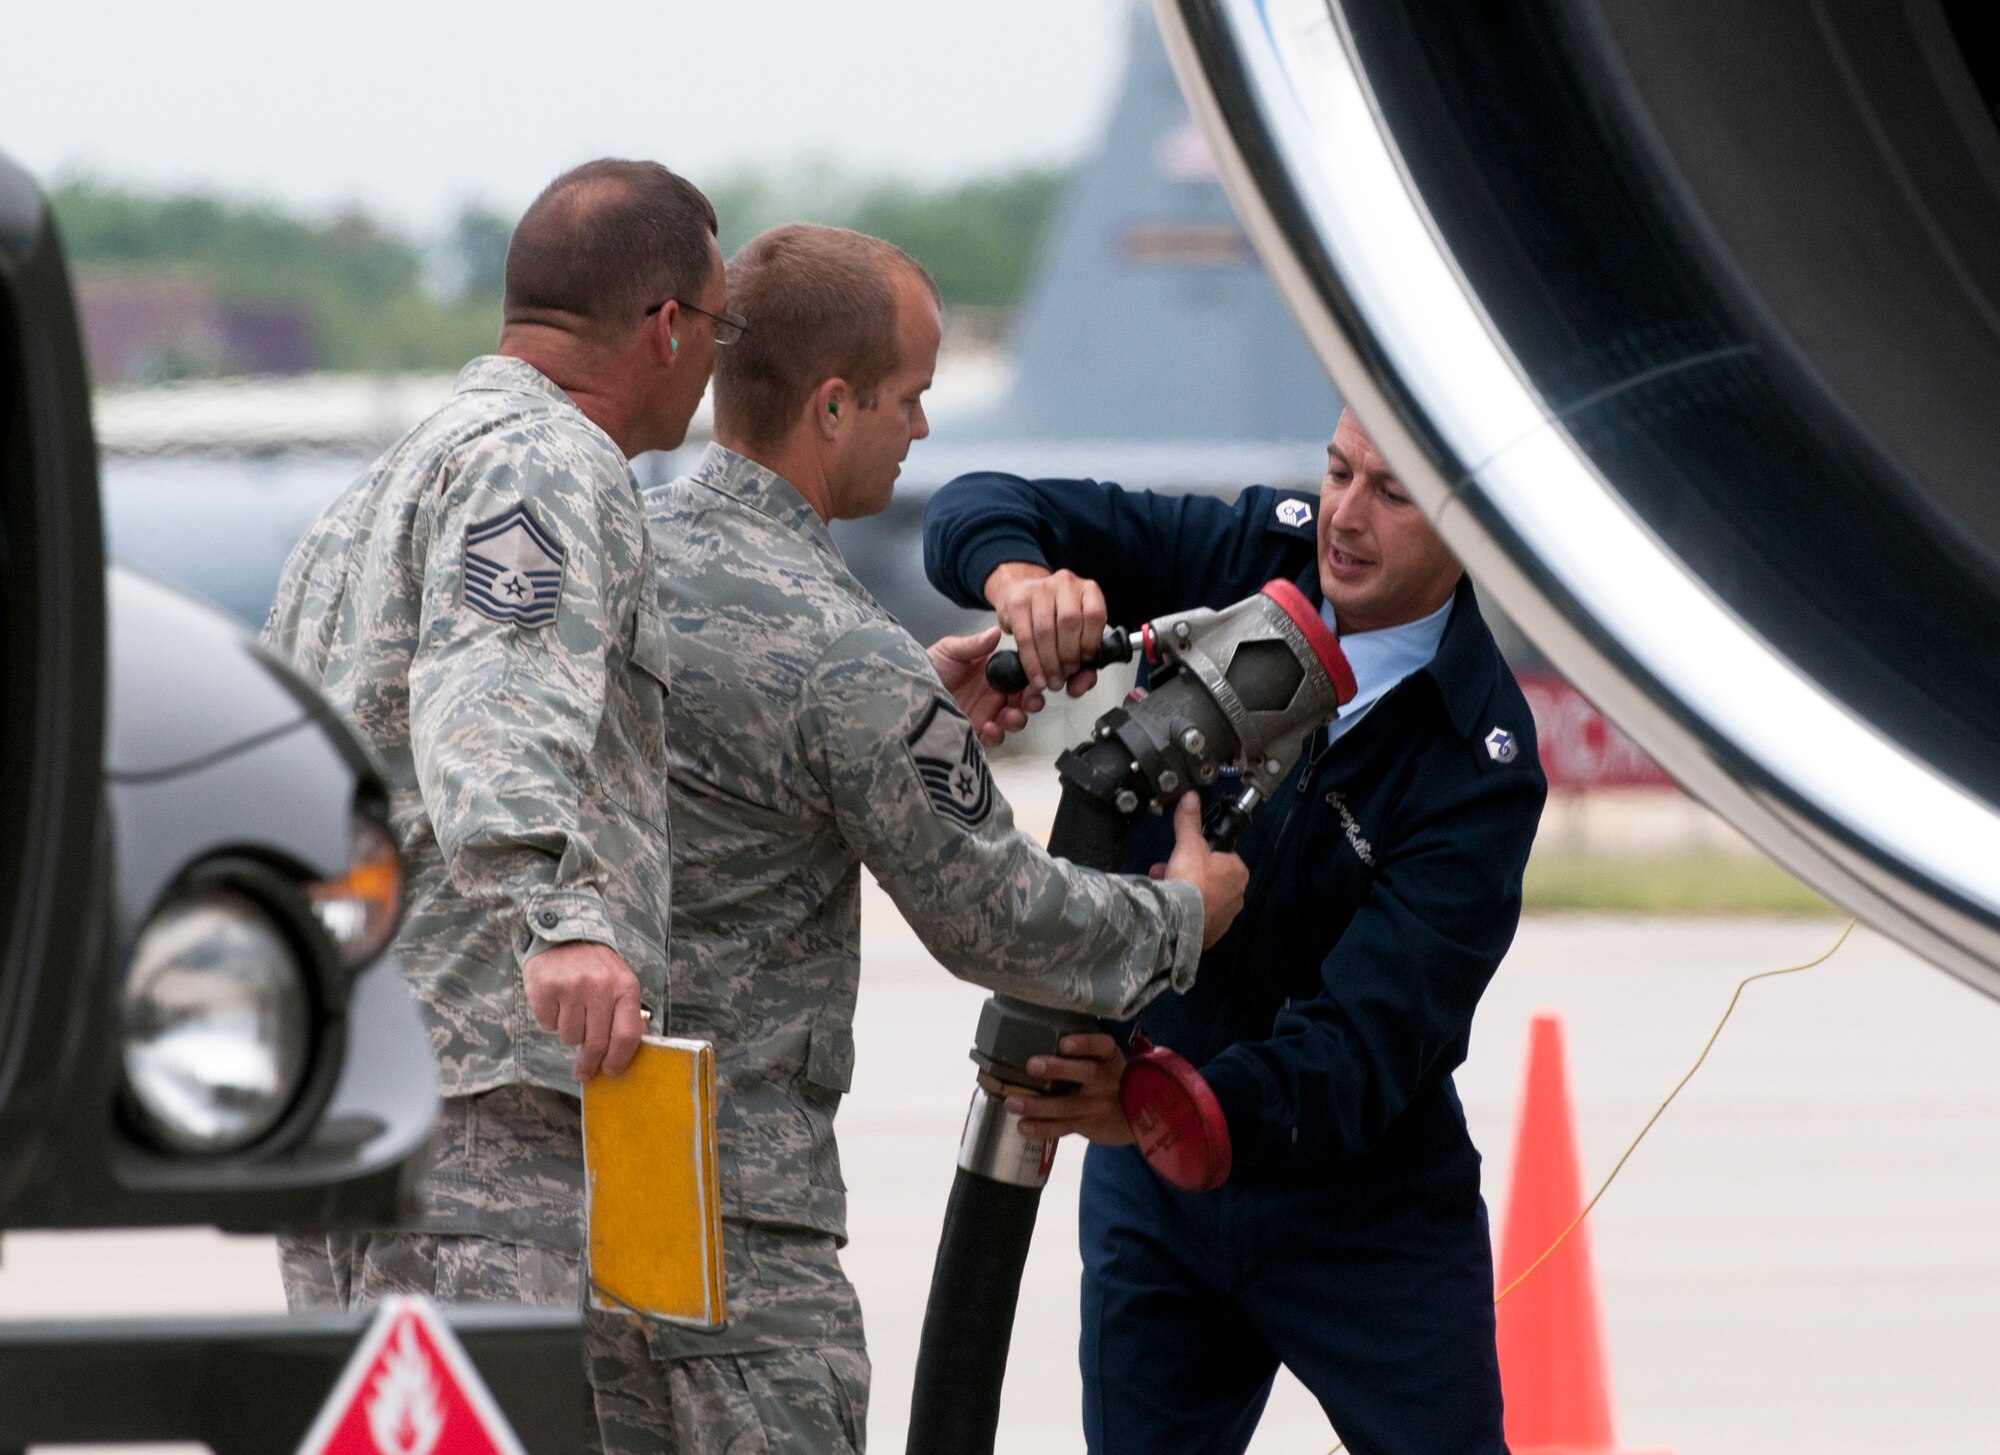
588 995
1095 1064
961 666
1221 878
1057 620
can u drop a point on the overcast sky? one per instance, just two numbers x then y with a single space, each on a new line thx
413 107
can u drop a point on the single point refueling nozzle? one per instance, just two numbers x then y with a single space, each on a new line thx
1241 687
1235 688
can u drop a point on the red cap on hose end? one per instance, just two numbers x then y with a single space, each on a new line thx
1175 1116
1325 645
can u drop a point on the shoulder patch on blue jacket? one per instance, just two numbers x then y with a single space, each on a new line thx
513 569
1296 515
1502 746
952 768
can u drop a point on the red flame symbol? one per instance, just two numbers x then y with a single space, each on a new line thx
406 1413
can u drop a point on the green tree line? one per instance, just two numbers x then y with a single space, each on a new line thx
380 299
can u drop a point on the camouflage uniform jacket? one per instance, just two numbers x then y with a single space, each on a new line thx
808 735
480 607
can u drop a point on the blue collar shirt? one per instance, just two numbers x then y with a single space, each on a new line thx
1381 659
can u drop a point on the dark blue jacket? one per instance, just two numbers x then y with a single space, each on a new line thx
1385 879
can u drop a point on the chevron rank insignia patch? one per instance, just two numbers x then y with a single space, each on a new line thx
951 766
1294 512
513 569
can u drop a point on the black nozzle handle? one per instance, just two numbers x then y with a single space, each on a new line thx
1224 829
1004 670
1227 823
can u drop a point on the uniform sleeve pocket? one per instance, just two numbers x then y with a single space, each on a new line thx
651 652
830 1060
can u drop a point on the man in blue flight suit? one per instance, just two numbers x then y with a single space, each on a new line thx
1349 1242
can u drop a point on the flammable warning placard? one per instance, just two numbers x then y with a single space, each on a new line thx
409 1389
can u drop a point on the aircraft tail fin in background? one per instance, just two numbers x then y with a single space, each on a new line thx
1151 317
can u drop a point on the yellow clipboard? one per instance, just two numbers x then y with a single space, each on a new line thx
653 1208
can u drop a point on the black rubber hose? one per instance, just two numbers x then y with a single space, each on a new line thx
1089 832
969 1321
976 1284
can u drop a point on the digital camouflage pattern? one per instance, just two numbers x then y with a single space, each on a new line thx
507 1173
810 1400
506 1224
809 735
479 606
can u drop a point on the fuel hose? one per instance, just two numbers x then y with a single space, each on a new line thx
996 1192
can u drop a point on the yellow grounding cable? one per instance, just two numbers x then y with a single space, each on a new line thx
1604 1186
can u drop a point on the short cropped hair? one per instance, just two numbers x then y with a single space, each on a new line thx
821 304
606 241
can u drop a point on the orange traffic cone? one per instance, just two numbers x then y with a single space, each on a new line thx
1551 1334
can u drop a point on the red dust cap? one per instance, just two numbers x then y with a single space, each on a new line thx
1176 1118
1325 645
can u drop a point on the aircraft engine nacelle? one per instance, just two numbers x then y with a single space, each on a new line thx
1682 320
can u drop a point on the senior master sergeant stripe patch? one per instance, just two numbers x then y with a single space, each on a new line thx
513 569
951 766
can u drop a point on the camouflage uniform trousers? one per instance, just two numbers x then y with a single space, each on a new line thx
803 1401
504 1222
505 1225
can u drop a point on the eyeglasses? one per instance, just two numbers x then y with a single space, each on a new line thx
729 327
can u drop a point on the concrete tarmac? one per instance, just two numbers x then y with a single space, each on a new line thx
1800 1256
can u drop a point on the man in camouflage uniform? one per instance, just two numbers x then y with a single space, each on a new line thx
480 607
809 735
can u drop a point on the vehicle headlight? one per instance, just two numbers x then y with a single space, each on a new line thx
359 909
216 1019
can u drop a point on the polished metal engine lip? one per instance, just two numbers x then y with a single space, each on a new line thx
1280 93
